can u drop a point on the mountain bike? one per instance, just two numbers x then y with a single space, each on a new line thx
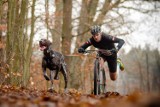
99 72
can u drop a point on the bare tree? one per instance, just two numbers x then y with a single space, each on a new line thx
18 45
3 13
57 32
28 53
67 26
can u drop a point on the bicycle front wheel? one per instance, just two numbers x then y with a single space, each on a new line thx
102 76
96 78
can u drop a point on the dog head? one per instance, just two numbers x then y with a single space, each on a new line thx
44 44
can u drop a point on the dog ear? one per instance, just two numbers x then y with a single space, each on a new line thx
49 43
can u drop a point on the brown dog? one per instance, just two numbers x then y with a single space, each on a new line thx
54 61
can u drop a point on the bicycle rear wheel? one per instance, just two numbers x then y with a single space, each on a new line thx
96 77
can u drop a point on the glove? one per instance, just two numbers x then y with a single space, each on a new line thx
114 51
81 50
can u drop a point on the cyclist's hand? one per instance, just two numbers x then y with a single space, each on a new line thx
81 50
114 51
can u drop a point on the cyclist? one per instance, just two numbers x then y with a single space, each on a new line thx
102 40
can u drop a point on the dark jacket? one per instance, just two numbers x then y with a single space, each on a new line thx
107 42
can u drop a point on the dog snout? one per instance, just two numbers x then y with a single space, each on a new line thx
41 41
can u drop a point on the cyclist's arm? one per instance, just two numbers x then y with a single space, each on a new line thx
120 42
117 40
86 44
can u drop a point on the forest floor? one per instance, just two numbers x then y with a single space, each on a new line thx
21 97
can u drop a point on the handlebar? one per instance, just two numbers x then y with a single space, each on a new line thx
100 51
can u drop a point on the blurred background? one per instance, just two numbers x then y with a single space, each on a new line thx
67 24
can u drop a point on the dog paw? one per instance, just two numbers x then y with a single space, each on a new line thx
66 91
51 90
46 77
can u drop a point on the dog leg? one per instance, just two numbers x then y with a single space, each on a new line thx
56 75
64 72
45 74
51 78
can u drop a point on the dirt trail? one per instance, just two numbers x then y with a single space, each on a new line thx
20 97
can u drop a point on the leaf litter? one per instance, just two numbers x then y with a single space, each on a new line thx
11 96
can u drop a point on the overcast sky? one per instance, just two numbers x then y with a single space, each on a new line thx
147 30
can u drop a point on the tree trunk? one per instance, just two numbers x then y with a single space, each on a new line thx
57 31
140 70
26 70
47 16
10 37
14 44
148 74
1 41
67 27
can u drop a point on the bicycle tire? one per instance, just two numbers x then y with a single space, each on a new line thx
103 81
96 78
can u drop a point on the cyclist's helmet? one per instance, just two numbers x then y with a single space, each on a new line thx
95 29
